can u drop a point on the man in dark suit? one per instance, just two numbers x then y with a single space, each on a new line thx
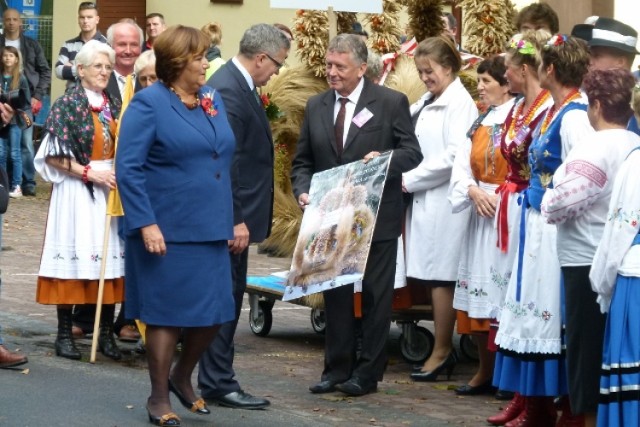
263 51
356 120
126 38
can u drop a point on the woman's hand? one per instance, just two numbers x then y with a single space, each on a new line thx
485 203
153 239
106 178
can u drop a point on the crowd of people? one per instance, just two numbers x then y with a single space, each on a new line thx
530 202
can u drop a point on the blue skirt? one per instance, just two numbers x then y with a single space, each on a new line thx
539 377
188 287
620 374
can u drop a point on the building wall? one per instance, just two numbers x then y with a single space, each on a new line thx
236 18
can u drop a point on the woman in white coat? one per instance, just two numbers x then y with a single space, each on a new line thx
433 233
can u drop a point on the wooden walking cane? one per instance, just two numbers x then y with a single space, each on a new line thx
114 208
103 267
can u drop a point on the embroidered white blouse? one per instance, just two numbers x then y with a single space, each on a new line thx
615 255
579 199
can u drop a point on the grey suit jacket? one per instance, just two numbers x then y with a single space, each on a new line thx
252 169
389 128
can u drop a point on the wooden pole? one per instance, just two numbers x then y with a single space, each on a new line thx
333 23
103 267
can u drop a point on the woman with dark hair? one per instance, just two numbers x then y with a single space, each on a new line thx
76 155
441 118
173 170
615 276
478 170
578 202
530 359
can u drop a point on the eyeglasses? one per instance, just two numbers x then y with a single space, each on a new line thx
100 67
277 64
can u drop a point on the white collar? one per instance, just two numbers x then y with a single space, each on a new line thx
244 73
355 95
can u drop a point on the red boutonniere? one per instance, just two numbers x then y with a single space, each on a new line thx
272 110
208 105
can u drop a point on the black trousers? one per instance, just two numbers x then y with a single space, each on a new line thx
216 376
340 362
584 332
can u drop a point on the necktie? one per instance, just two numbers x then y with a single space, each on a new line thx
255 94
339 125
416 115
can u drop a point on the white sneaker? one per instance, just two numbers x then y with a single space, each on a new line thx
16 193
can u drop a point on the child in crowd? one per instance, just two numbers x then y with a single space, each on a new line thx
14 90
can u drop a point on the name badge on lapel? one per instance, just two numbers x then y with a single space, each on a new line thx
362 117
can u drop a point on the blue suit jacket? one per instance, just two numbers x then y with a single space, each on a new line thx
173 167
252 171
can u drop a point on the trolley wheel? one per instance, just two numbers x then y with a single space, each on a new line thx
318 321
419 348
261 323
468 346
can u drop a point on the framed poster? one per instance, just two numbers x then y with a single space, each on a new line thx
362 6
337 227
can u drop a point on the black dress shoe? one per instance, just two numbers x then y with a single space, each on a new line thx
197 407
469 390
448 364
504 395
240 400
325 386
357 387
170 419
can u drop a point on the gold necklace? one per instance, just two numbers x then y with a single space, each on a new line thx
189 105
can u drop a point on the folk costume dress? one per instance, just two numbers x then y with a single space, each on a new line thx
615 276
80 126
433 235
517 134
478 163
530 359
578 204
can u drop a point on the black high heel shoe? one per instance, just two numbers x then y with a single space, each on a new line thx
448 364
197 407
169 420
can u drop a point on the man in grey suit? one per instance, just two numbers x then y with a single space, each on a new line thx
356 120
263 51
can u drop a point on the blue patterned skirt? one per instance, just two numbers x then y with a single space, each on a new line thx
620 375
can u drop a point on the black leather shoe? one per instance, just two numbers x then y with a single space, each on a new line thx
170 419
28 191
469 390
240 400
504 395
357 387
325 386
197 407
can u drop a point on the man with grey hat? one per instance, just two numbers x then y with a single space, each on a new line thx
612 44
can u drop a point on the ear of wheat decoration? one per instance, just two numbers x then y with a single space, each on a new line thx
488 25
385 29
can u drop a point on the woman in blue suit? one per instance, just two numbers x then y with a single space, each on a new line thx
173 172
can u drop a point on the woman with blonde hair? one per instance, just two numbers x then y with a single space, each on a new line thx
530 358
522 58
214 31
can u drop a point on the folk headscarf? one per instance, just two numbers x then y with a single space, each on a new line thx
71 123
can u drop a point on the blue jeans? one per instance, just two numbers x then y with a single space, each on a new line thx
28 169
11 145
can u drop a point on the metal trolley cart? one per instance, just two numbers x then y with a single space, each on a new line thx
410 306
263 292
